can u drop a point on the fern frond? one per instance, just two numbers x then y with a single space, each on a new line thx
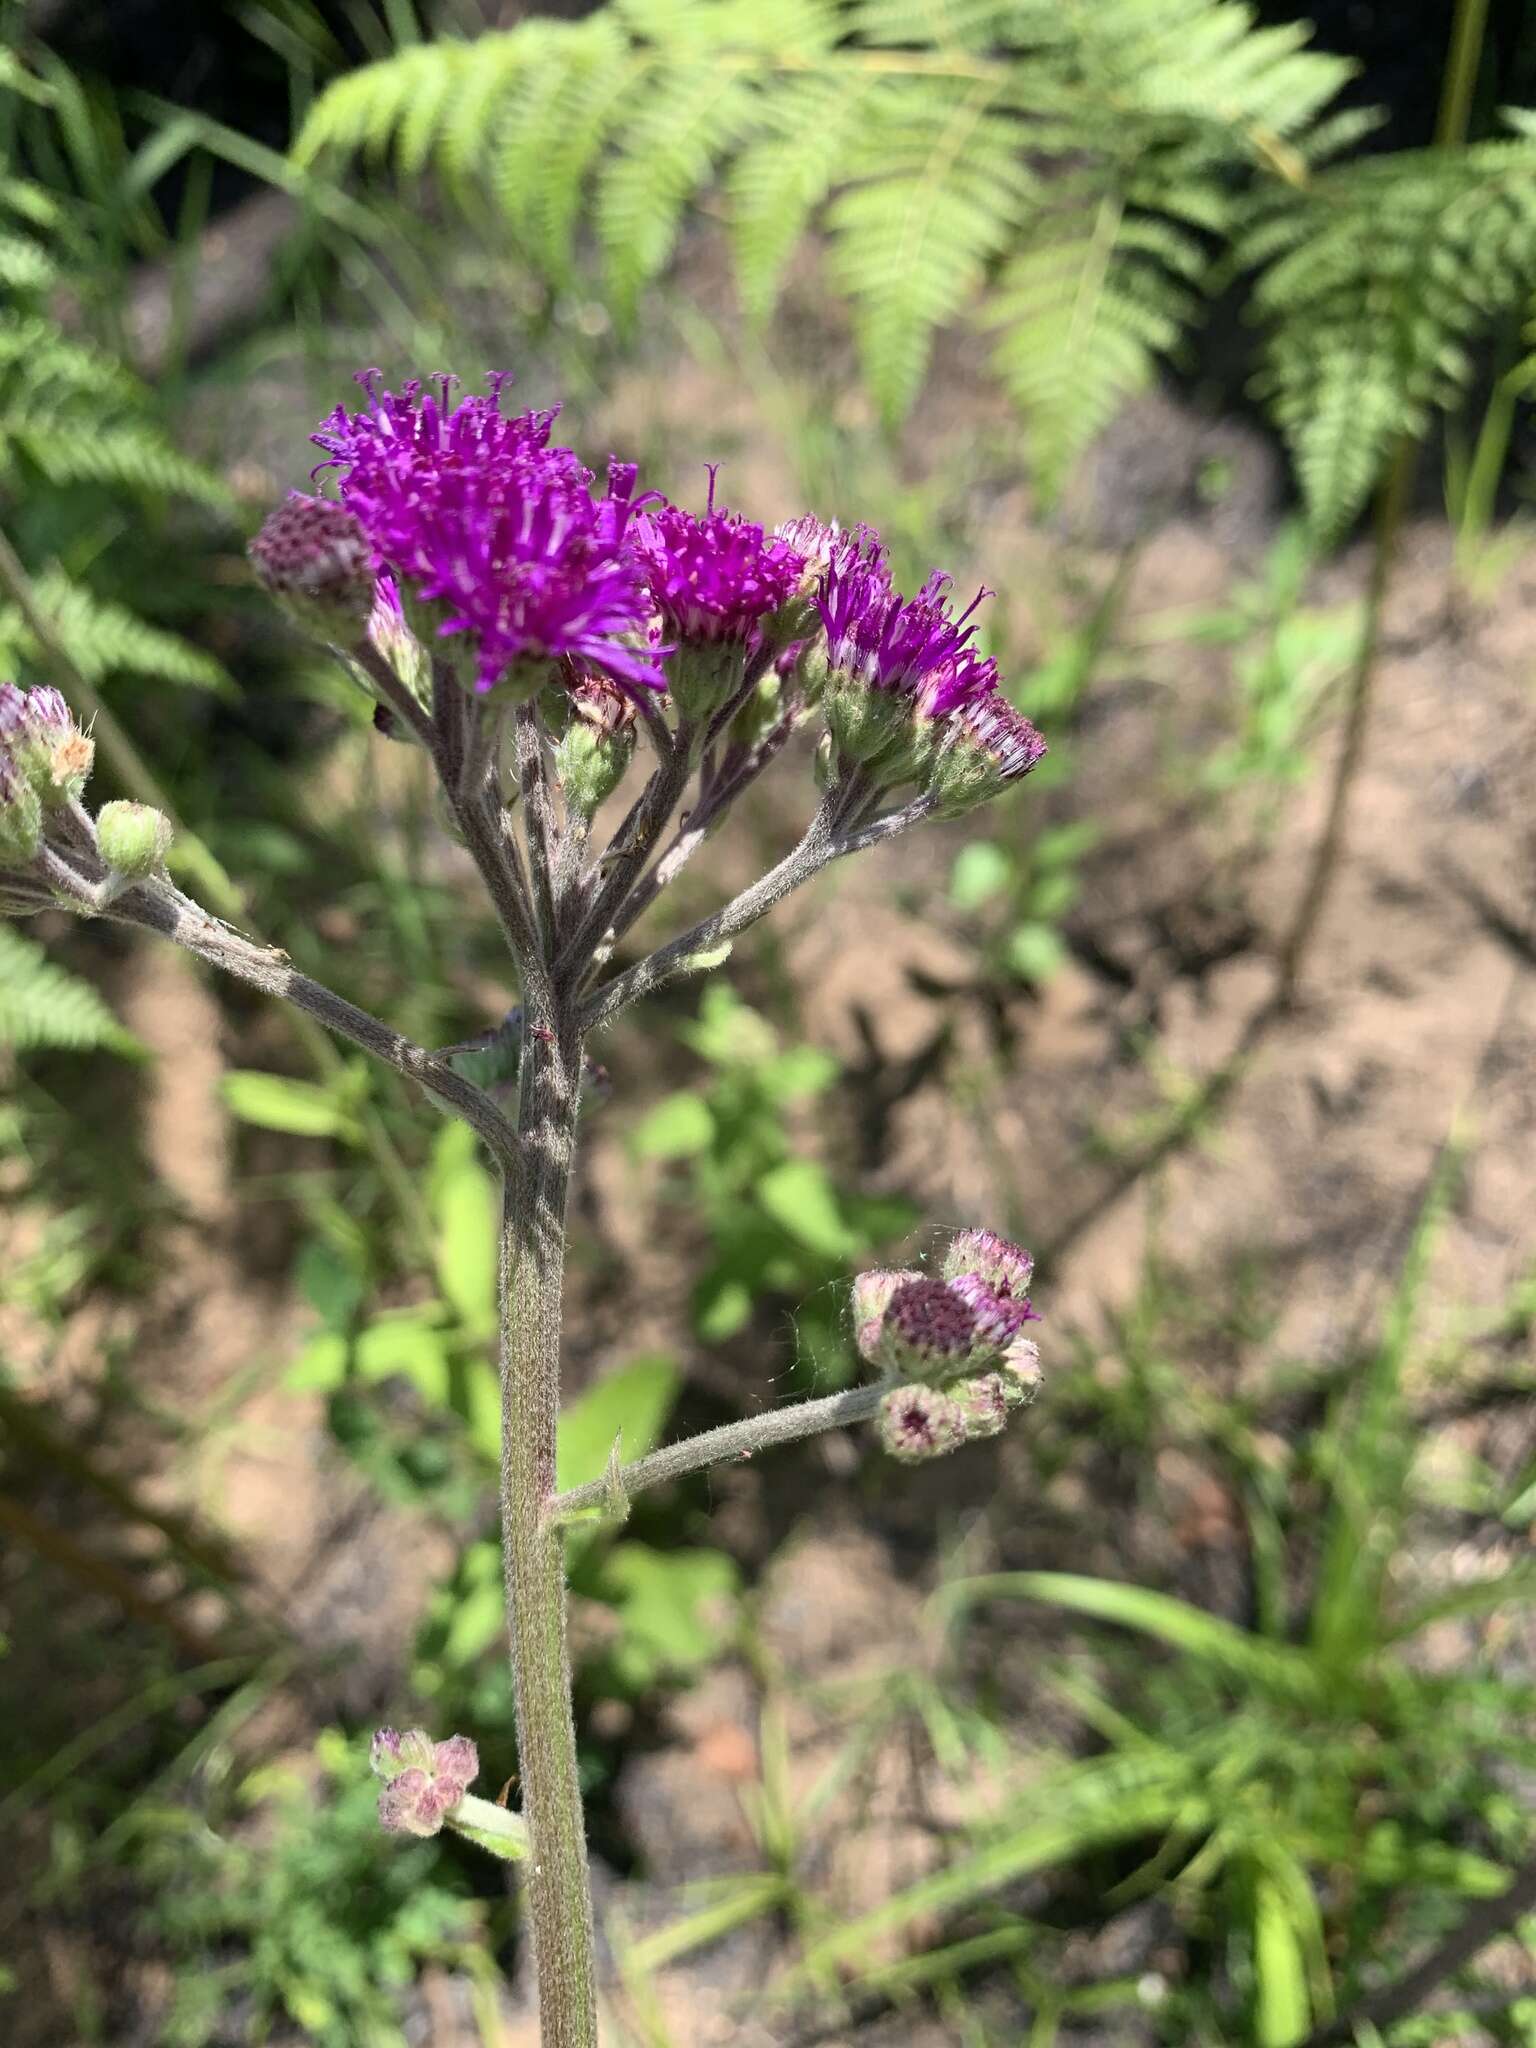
941 190
79 416
43 1006
1374 287
104 639
1086 317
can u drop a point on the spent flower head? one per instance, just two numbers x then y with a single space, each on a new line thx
423 1780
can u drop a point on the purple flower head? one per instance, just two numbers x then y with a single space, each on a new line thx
911 647
313 552
481 517
917 1422
424 1780
996 1318
717 577
926 1330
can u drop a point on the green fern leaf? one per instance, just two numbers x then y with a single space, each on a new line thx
1374 287
104 639
41 1006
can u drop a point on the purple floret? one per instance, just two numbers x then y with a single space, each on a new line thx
714 577
479 515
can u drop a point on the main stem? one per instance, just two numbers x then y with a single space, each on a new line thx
532 1267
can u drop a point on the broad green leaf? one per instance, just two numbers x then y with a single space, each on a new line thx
721 1306
677 1128
677 1608
801 1199
330 1283
801 1071
464 1209
629 1407
278 1104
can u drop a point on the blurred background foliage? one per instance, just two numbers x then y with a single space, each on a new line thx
1204 1708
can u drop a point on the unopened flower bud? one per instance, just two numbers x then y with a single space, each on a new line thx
314 557
424 1780
38 731
21 817
598 745
986 745
918 1422
926 1331
996 1319
872 1293
1021 1371
134 838
1004 1267
983 1403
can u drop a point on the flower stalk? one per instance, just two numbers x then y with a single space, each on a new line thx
522 629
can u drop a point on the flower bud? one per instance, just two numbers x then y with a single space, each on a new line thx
314 557
21 817
983 1404
996 1319
1021 1371
986 745
598 745
992 1259
423 1780
917 1422
134 838
872 1292
926 1332
38 731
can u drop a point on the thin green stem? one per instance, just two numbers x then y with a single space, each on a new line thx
1463 59
532 1268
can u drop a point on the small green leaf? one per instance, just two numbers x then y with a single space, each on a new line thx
677 1608
410 1346
321 1367
278 1104
721 1307
982 870
678 1128
802 1200
464 1208
1034 952
630 1405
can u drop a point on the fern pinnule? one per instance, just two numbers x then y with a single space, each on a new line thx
43 1007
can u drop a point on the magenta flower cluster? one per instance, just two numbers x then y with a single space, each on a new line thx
496 534
954 1343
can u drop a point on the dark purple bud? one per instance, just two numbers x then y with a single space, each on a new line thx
315 558
926 1330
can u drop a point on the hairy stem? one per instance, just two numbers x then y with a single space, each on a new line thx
533 1552
161 908
733 1440
630 854
821 845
